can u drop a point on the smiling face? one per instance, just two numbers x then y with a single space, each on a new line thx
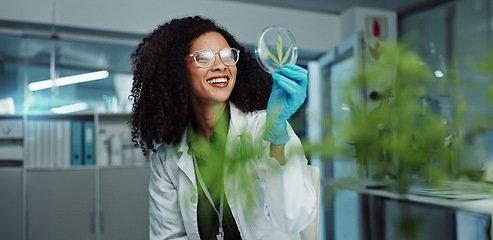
213 84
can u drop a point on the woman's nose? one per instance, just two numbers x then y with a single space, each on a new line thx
218 63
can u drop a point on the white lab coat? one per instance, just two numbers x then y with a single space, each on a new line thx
285 200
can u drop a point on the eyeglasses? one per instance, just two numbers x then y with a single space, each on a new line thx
205 58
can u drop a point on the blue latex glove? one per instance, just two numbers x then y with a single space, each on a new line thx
288 94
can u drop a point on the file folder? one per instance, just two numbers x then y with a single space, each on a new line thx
88 143
76 143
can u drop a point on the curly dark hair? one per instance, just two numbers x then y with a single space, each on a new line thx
162 108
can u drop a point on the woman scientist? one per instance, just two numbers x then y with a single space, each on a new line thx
189 76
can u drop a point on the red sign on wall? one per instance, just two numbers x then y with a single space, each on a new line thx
376 27
376 32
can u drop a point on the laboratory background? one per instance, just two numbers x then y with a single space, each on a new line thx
398 119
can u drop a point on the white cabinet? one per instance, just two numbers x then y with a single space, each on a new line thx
69 203
44 196
61 204
11 203
11 184
124 203
11 128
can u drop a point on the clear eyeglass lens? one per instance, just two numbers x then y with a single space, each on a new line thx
229 56
205 58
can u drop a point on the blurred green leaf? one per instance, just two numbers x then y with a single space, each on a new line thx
273 57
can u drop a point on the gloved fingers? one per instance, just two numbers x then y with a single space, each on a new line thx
277 93
289 86
275 86
295 84
297 68
278 76
295 72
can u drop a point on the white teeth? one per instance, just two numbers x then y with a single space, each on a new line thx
217 80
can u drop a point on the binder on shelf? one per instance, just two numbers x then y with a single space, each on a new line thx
116 149
52 149
45 143
38 140
103 148
62 143
58 143
76 148
88 143
30 144
65 145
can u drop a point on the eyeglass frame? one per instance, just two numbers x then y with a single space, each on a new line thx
214 52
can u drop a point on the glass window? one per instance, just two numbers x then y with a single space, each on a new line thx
30 59
453 38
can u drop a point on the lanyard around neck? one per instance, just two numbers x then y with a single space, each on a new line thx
220 214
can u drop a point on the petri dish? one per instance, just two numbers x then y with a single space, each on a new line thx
275 47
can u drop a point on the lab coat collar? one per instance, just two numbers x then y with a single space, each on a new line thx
237 123
185 160
237 127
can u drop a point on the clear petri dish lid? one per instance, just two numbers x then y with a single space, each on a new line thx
275 47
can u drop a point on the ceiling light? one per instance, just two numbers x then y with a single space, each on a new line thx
70 108
69 80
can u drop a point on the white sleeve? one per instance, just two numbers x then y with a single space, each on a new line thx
290 201
165 220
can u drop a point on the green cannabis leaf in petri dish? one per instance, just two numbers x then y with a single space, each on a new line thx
275 47
281 58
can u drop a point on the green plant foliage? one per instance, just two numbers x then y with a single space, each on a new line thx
238 161
397 138
281 58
